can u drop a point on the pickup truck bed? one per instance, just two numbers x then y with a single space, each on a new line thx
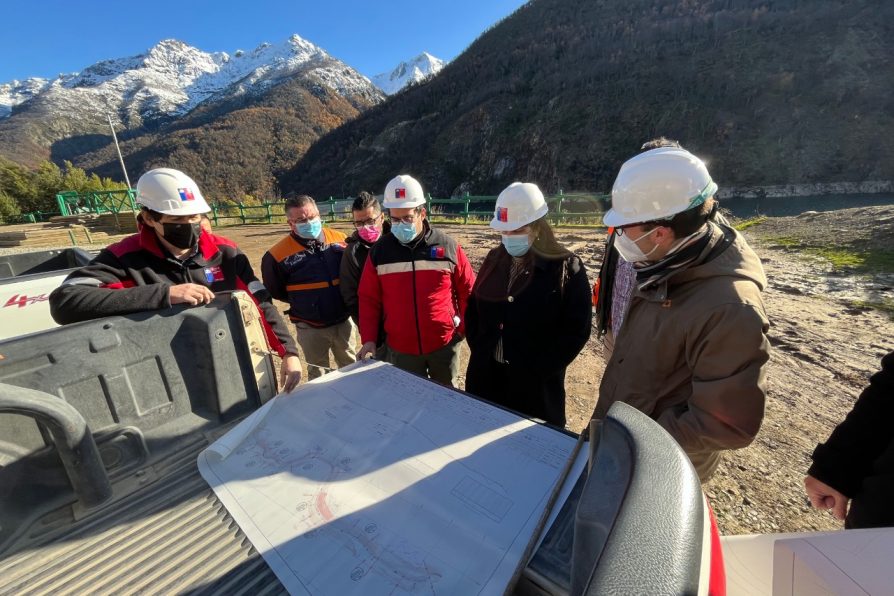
156 388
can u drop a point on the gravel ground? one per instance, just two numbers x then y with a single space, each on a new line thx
825 349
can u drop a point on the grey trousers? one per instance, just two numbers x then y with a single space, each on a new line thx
317 342
441 365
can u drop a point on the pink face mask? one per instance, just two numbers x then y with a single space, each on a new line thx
369 233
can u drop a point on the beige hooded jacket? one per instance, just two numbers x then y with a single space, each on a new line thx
692 352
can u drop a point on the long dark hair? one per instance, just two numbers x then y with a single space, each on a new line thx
545 243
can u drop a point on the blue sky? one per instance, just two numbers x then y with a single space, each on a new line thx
47 37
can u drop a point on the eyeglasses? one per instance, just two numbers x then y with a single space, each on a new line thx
407 219
367 222
621 230
302 220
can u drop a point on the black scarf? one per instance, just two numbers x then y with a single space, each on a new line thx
687 256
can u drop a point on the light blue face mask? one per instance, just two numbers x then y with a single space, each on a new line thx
404 232
310 229
517 244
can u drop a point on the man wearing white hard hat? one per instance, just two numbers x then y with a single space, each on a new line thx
417 279
693 348
172 260
529 313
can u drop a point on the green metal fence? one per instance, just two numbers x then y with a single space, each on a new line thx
332 210
104 201
585 209
564 209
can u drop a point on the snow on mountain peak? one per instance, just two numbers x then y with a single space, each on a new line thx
412 71
173 77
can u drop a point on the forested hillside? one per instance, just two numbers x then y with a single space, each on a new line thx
237 148
563 91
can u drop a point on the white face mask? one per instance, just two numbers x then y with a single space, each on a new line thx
630 251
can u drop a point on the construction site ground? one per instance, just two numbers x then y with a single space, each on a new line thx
830 326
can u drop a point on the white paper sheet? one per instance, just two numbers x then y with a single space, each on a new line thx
370 480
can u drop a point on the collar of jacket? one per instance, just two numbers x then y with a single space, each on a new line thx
423 238
721 238
149 242
310 245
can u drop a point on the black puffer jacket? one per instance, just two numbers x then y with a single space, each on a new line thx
858 458
544 322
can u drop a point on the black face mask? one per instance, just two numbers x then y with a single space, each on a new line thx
182 235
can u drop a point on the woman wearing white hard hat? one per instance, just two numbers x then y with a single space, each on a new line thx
529 313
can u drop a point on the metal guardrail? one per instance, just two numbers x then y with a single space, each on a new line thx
564 209
103 201
583 207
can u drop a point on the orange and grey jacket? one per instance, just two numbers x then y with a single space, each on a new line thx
305 273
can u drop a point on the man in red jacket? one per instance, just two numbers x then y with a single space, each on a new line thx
418 279
172 260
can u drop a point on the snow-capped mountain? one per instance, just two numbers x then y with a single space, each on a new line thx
16 92
422 66
172 78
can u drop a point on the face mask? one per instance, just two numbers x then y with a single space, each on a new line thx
369 233
517 244
629 250
404 232
182 235
310 229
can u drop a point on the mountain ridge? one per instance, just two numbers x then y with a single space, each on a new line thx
152 89
561 93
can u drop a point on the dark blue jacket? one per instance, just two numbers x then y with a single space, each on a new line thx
305 273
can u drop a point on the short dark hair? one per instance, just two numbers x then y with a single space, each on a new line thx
659 143
294 200
364 201
688 222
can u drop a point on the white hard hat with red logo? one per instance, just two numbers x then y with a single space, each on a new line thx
403 192
657 185
170 192
518 205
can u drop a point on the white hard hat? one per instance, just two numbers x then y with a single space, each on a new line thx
658 184
518 205
403 192
170 192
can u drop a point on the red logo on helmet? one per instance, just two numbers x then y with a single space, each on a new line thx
502 214
400 193
186 194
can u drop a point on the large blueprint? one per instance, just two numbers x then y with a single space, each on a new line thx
370 480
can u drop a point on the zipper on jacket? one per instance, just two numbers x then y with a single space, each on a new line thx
415 306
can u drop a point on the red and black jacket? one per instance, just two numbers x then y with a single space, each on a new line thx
417 289
134 275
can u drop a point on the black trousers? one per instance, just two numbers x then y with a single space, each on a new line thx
536 394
